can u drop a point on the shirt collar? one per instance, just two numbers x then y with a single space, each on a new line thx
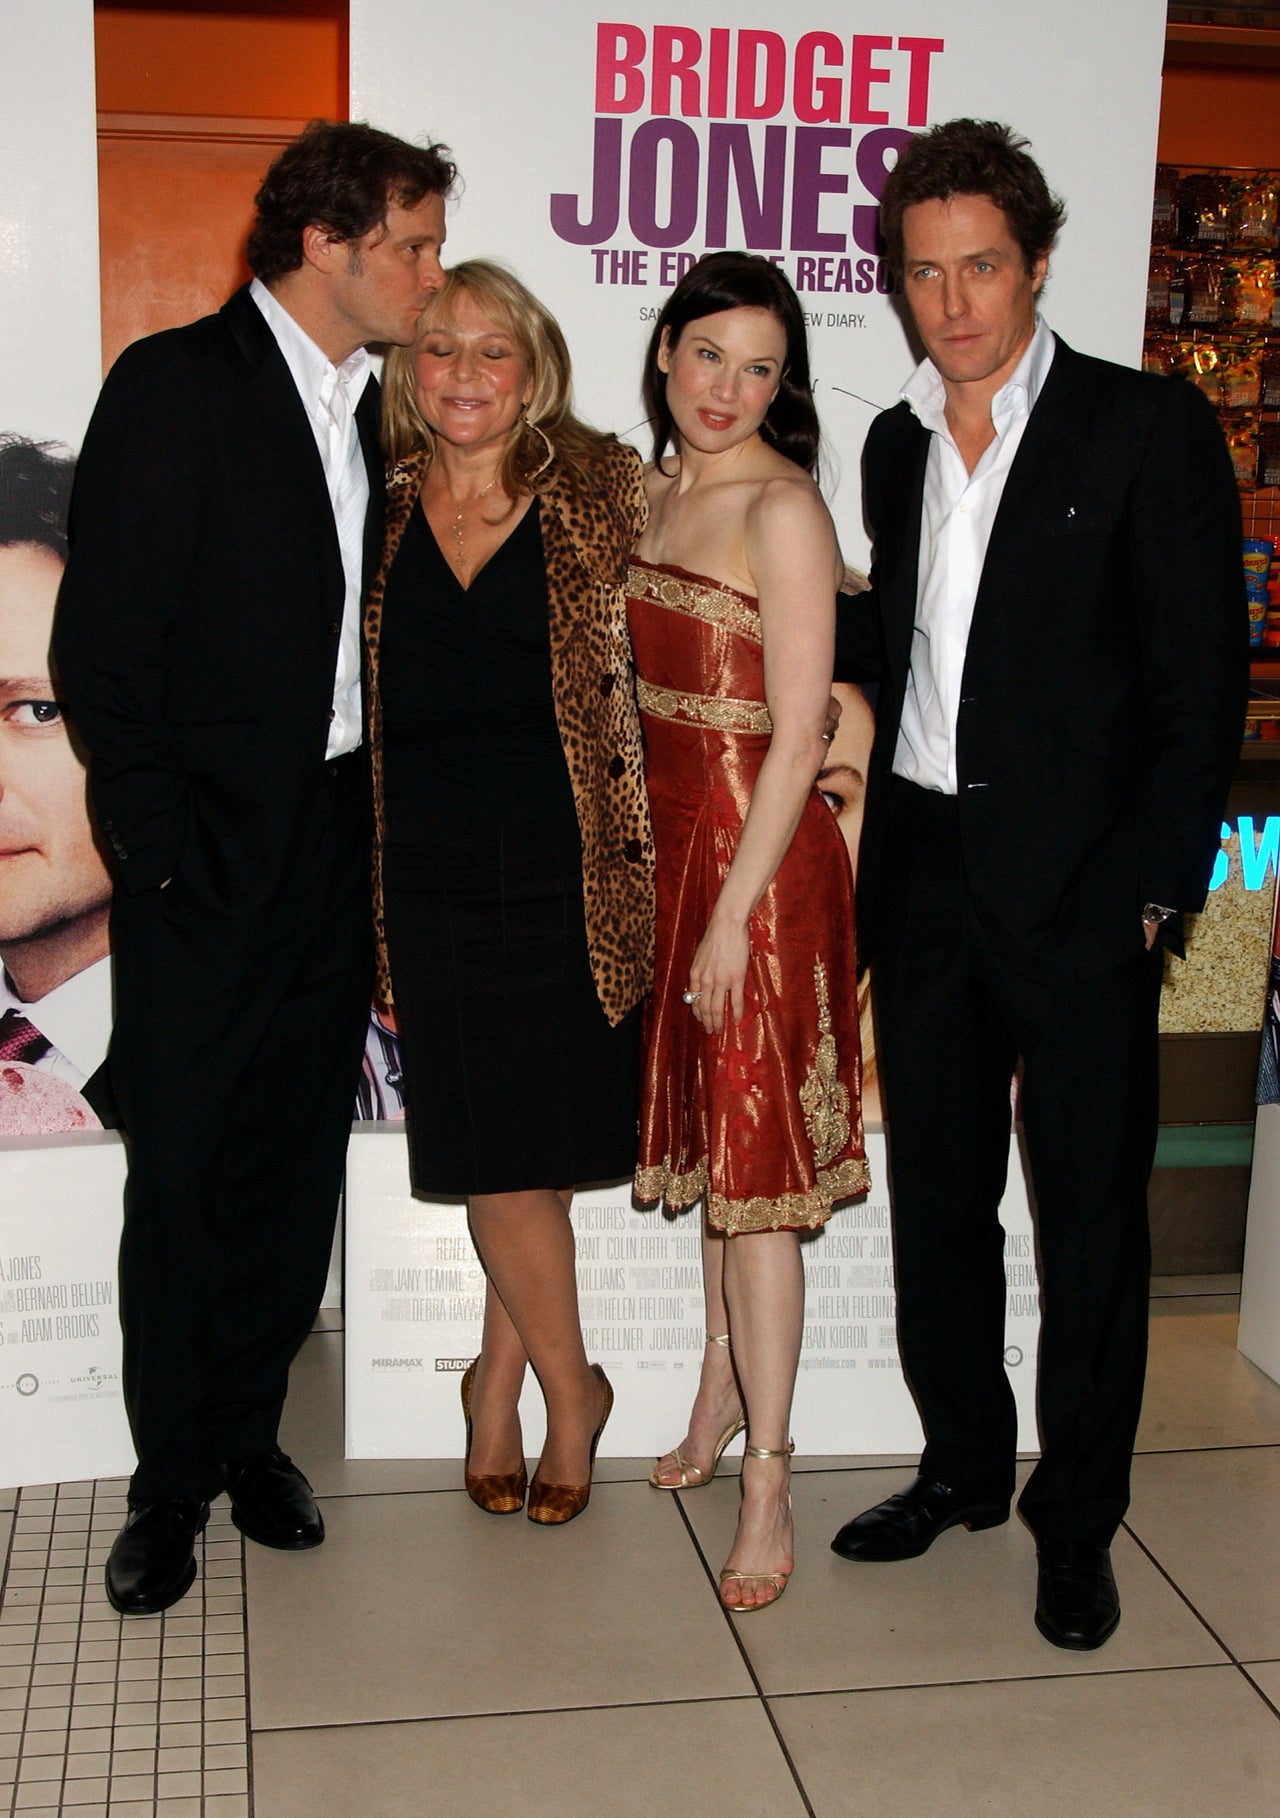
925 393
308 363
75 1015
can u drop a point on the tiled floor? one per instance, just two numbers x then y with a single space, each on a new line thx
433 1662
101 1716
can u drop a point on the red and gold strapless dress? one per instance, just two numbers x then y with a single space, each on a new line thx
765 1118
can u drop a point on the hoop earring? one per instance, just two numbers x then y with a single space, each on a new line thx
545 439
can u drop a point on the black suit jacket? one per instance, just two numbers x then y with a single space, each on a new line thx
197 629
1105 677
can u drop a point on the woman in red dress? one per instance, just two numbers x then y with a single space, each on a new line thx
752 1078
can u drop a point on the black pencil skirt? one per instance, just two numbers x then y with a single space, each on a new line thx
514 1077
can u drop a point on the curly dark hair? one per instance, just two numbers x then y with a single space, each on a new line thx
973 158
342 175
738 280
35 490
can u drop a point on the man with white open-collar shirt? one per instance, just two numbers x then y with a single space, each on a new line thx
226 514
1056 620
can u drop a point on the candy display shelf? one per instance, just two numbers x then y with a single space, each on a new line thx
1213 312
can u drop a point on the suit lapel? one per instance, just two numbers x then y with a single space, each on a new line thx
1051 429
368 423
903 492
1041 474
281 425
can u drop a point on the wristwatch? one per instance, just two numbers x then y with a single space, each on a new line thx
1156 912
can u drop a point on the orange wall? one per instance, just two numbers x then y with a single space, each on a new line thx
173 215
174 205
256 67
1217 115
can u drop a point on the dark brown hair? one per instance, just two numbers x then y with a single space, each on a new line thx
341 175
973 158
738 280
35 490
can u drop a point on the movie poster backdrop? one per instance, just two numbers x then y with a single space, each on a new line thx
415 1298
602 153
61 1413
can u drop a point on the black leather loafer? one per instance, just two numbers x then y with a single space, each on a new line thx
152 1561
271 1502
906 1525
1077 1604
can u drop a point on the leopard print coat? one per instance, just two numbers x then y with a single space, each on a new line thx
586 542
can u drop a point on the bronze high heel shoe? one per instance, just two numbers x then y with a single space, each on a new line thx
692 1476
497 1495
778 1579
555 1503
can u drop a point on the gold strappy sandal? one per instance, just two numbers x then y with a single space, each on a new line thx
780 1579
692 1476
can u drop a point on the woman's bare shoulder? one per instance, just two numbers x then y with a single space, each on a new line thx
788 498
788 520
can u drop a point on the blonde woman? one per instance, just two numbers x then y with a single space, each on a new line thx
515 859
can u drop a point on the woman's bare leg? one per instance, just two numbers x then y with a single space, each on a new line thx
764 1291
526 1243
718 1402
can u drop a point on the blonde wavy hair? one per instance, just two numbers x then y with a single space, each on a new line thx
548 435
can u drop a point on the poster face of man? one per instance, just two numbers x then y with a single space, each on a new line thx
54 888
843 778
55 891
843 782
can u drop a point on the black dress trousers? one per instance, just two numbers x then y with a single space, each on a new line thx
953 1019
234 1060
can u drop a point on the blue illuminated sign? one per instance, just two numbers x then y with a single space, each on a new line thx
1259 853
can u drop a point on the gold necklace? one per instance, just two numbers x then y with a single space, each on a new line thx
456 526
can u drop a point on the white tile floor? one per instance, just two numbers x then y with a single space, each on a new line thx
103 1716
433 1662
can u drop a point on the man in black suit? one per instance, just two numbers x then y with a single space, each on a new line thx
227 510
1057 620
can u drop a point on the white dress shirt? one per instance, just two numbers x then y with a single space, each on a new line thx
75 1016
329 395
955 528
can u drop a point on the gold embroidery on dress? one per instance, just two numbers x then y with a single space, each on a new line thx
718 711
791 1211
698 600
825 1101
808 1210
679 1191
824 1098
